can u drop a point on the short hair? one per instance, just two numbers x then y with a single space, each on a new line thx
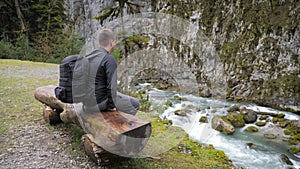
105 35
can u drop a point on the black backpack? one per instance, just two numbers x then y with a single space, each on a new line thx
74 84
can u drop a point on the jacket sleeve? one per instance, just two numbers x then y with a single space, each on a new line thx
111 74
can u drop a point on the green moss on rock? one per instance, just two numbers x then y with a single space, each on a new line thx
275 119
252 129
263 117
233 108
283 123
280 115
221 124
287 132
270 136
182 112
294 150
203 119
297 136
260 123
236 119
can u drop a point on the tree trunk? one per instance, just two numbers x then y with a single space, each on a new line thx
19 13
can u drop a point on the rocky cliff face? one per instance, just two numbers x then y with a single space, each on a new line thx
257 42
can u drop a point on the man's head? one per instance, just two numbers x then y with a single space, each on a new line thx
107 40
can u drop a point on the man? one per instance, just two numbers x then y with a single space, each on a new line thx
103 74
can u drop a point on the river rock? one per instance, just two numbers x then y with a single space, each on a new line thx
203 119
221 124
182 112
252 129
205 93
233 108
270 136
275 120
285 159
250 145
180 98
294 150
263 117
283 123
249 116
260 123
280 115
236 119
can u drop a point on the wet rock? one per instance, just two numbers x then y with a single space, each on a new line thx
252 129
169 103
280 115
250 145
260 123
221 124
205 93
285 159
294 150
249 116
270 136
180 98
203 119
182 112
263 117
287 132
236 119
293 141
283 123
233 108
275 120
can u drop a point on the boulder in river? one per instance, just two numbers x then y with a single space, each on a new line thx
263 117
270 136
285 159
294 150
221 124
182 112
252 129
233 108
280 115
260 123
275 120
236 119
249 116
203 119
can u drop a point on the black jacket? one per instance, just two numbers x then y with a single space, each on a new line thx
103 74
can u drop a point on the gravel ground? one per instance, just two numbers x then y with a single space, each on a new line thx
32 143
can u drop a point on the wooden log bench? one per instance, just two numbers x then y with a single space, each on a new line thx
109 135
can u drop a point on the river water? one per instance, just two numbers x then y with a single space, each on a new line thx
264 154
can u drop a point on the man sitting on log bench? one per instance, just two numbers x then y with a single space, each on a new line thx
105 114
103 73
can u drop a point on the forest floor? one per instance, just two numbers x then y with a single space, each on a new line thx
26 141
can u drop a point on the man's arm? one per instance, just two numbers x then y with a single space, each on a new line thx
111 74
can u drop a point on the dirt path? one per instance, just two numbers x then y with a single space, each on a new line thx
25 140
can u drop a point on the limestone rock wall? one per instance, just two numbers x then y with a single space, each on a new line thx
257 41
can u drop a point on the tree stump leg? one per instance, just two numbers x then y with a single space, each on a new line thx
50 115
96 153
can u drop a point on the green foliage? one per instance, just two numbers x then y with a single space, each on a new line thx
44 38
117 54
23 49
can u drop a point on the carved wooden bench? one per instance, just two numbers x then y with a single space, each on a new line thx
109 134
